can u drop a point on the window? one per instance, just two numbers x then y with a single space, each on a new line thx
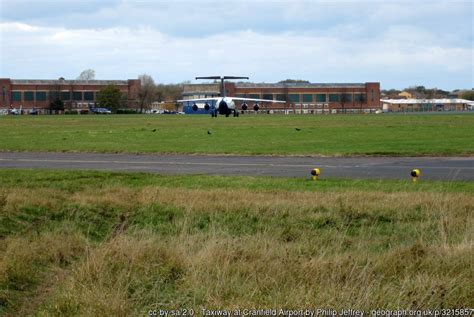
373 95
77 95
65 95
334 97
54 95
281 97
321 98
125 96
16 95
307 98
41 96
294 97
346 97
254 96
268 96
88 95
360 98
29 96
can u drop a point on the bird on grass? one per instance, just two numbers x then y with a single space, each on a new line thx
209 132
154 130
297 129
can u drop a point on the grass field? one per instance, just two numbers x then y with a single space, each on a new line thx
96 243
118 244
274 135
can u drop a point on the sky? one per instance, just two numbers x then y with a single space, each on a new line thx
397 43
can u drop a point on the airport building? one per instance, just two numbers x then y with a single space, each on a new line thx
77 95
300 98
426 105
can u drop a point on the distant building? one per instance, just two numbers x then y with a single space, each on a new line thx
405 95
301 98
161 106
416 105
76 94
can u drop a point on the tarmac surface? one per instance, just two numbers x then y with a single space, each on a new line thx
434 168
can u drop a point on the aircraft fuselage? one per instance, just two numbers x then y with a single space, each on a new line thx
225 105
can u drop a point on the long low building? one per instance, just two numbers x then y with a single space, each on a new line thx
425 105
311 98
76 94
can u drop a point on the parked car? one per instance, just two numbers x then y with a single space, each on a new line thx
101 111
33 112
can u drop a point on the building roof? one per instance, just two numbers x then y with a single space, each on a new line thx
300 85
420 101
67 82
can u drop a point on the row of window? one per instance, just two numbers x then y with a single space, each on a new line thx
359 98
43 95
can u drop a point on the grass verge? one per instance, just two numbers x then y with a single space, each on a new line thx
94 243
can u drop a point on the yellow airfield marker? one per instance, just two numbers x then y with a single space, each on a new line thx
414 174
314 174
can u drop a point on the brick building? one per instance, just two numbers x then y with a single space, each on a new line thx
301 98
76 94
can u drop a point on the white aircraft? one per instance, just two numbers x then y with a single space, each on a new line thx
225 105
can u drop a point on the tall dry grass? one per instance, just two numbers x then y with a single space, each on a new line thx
176 248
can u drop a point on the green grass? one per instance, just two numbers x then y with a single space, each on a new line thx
77 180
99 243
255 135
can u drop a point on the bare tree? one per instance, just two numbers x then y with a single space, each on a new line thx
88 74
169 92
147 92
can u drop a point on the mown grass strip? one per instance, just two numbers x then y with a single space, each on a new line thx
403 135
75 180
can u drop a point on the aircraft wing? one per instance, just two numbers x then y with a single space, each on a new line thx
257 100
199 99
233 98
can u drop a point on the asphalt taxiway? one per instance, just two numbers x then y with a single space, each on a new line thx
434 168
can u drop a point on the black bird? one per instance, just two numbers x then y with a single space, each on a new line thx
154 130
297 129
209 132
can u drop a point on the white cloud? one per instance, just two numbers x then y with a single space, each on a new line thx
347 41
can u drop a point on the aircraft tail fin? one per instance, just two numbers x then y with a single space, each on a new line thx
222 78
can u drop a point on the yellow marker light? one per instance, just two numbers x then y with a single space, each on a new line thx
414 174
315 173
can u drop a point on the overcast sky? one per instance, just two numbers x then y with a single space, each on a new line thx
397 43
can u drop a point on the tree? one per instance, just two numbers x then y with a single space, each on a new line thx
147 92
289 81
55 102
56 105
390 91
169 92
344 100
420 89
361 100
109 97
88 74
468 94
440 93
